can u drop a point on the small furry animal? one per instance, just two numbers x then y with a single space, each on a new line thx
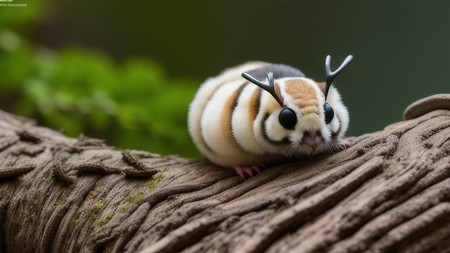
260 113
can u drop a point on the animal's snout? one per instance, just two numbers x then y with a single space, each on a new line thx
313 140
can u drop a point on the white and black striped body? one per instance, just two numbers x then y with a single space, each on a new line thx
233 122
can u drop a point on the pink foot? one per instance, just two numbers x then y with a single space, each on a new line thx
247 171
345 144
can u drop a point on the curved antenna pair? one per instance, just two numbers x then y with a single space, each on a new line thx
330 75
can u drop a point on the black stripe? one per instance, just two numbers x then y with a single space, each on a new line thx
258 103
234 105
236 99
283 142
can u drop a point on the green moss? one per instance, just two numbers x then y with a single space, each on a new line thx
110 186
105 220
98 184
158 177
91 195
95 191
136 198
132 200
152 184
61 202
124 207
98 206
75 222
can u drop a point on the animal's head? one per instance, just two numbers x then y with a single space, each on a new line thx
311 117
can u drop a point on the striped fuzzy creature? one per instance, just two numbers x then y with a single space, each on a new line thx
260 113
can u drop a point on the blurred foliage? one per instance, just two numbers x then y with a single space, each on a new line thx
131 105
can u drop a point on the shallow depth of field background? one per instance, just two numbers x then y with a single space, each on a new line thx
127 70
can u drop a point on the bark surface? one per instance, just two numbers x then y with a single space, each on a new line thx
388 192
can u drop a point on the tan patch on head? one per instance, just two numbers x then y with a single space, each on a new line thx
278 92
300 89
304 95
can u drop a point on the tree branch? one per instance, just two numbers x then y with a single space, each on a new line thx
388 192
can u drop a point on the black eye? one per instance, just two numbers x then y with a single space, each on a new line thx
287 118
329 113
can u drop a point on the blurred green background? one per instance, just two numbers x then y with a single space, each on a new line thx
127 70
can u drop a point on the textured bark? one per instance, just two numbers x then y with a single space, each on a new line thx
388 192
